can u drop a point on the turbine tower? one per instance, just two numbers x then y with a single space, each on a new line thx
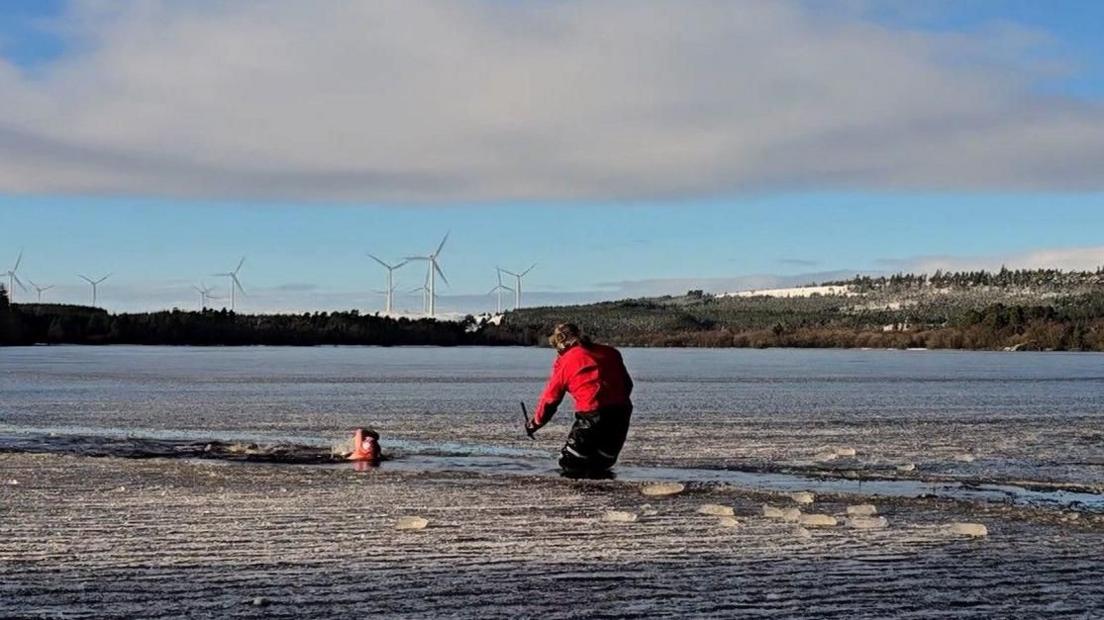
432 271
234 282
14 279
204 295
94 283
424 290
39 289
517 286
498 289
390 292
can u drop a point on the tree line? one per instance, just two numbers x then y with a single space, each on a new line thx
25 324
896 311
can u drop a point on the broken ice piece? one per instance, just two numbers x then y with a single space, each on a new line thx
793 515
728 522
817 520
868 523
800 532
969 529
771 512
411 523
847 452
663 488
862 510
906 467
716 510
823 457
619 516
802 497
964 458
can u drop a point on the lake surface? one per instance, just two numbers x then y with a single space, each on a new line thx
1034 416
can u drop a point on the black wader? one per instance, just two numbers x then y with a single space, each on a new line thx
595 440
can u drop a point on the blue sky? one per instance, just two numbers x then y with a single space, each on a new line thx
118 164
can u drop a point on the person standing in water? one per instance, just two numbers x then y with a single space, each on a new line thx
596 377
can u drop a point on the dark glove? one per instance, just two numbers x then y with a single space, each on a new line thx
532 427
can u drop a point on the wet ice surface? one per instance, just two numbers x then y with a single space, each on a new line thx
408 456
209 532
156 538
978 416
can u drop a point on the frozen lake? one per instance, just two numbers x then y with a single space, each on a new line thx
506 537
993 416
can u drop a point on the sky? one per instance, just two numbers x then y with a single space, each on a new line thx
625 148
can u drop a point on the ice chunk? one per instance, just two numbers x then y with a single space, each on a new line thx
800 532
964 457
716 510
868 523
771 512
906 467
728 522
846 452
802 497
411 523
824 457
793 515
817 520
620 516
862 510
663 488
968 529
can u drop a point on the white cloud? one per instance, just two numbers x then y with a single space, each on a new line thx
441 101
1067 259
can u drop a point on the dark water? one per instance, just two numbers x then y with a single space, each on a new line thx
1034 416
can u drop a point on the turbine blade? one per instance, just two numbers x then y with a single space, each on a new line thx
237 283
397 265
199 290
104 278
442 243
46 288
413 258
16 278
240 263
509 272
373 257
18 260
85 278
529 269
35 286
437 268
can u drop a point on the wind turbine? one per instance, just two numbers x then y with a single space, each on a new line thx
234 282
424 289
14 279
39 289
498 289
204 294
517 287
390 292
433 270
94 284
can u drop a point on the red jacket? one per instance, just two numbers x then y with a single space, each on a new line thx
595 376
